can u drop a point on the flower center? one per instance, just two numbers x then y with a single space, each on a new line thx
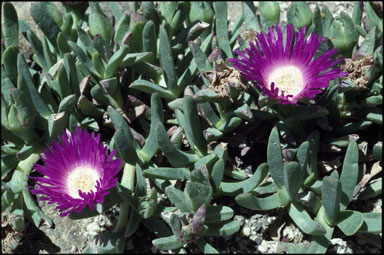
82 178
288 79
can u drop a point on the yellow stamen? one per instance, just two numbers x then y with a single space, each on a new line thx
82 178
287 78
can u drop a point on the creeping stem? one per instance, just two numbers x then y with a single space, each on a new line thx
224 116
127 181
20 175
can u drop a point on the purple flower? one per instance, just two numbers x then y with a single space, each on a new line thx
77 172
284 72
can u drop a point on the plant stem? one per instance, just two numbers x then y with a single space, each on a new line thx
21 173
127 181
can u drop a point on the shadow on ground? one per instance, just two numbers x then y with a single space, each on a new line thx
34 241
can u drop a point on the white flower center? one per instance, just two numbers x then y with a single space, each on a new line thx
82 178
287 78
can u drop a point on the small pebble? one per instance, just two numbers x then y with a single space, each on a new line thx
258 240
93 227
74 249
289 232
246 231
263 247
239 218
257 227
253 237
337 241
255 216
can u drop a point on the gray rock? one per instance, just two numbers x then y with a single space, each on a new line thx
258 240
93 227
239 218
257 227
253 237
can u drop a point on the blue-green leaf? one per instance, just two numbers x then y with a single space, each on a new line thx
275 158
349 174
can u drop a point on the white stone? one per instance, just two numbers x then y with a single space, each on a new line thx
73 249
246 231
92 233
253 237
93 227
263 247
289 232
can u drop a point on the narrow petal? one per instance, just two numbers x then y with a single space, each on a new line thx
268 62
75 150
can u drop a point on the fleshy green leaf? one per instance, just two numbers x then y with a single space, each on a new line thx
166 173
292 174
249 201
44 21
193 127
176 157
304 221
331 192
166 61
179 199
150 88
320 243
115 61
235 188
218 213
270 11
37 101
372 222
167 243
9 60
222 228
222 27
151 146
275 158
350 222
99 22
251 21
349 174
299 14
122 27
11 25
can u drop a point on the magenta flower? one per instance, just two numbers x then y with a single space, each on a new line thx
285 74
78 171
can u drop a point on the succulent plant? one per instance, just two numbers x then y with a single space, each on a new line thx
161 86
